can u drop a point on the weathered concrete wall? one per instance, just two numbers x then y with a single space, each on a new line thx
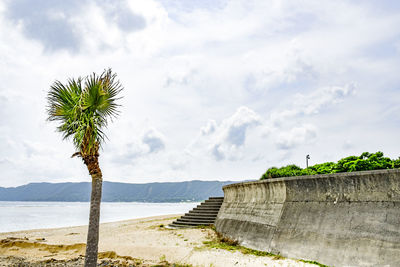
346 219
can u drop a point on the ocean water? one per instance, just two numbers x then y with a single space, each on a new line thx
18 215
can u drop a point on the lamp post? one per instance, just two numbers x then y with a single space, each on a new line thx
307 158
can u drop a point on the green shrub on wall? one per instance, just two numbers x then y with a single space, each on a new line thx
366 161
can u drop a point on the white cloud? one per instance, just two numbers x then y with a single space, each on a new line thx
313 103
305 134
151 142
154 140
237 126
71 26
322 98
226 139
209 128
213 89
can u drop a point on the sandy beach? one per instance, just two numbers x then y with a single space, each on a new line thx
138 242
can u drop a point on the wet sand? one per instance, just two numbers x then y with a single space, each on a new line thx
138 242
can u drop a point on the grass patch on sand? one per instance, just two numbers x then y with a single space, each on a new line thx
314 262
221 242
218 241
235 247
164 263
167 264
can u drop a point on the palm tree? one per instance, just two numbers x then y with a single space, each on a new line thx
82 107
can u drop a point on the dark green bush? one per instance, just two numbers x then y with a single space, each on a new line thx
366 161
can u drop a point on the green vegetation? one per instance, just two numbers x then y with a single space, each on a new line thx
167 264
164 263
233 246
366 161
314 262
221 242
217 240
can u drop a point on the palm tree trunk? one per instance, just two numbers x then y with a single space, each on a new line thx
94 218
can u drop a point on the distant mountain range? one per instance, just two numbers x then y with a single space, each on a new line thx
116 192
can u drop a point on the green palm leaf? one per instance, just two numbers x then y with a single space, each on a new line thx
82 107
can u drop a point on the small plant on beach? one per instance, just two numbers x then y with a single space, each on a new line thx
162 258
167 264
278 257
83 107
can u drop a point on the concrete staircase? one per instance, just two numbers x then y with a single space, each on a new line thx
203 214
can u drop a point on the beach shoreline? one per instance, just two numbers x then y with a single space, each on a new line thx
136 242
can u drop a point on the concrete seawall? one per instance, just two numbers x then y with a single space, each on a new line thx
345 219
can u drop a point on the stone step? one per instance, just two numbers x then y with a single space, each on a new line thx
210 198
190 223
213 201
199 217
213 215
211 204
185 219
207 208
203 212
201 222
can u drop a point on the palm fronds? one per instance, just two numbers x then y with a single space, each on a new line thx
83 107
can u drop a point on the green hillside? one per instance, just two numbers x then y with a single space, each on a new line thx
115 192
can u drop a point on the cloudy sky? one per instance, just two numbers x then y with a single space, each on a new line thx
214 90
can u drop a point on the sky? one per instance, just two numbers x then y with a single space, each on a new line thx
213 90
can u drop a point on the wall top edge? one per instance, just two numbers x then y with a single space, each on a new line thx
317 176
